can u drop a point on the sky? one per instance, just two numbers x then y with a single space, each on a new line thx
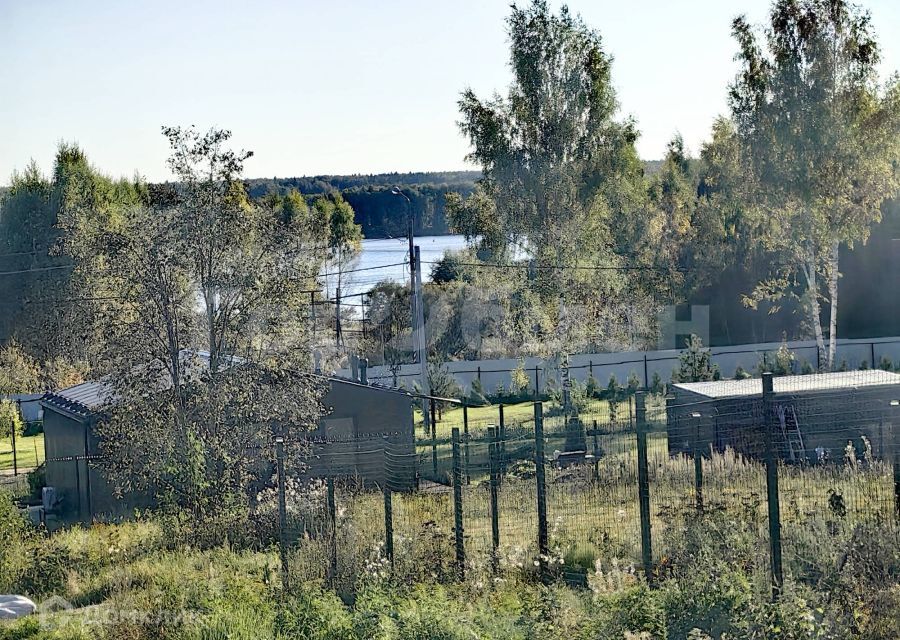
332 86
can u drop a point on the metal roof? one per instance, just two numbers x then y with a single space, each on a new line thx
91 395
814 382
85 398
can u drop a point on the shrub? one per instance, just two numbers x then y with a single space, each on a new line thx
579 557
781 363
15 542
477 397
443 384
695 364
634 384
613 395
37 480
633 610
592 387
519 380
447 269
741 374
656 384
313 613
10 419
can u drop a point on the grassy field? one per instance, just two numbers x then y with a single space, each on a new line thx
480 418
711 566
594 511
29 450
842 562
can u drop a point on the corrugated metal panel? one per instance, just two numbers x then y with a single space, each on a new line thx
793 384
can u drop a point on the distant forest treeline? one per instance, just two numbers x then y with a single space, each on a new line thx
380 213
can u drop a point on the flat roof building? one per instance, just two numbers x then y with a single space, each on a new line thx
813 417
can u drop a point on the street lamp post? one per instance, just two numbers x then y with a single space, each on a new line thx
416 308
412 269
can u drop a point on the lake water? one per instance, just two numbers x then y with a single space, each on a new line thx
388 259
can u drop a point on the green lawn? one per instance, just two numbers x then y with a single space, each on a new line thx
29 450
480 418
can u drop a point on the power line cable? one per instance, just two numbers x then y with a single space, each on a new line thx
37 269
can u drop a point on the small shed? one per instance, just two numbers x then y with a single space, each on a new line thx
363 420
813 417
350 441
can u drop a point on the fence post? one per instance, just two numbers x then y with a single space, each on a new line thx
434 455
772 484
502 436
698 461
433 411
332 522
15 454
466 439
537 384
596 454
539 474
643 483
494 454
388 511
458 506
282 512
895 447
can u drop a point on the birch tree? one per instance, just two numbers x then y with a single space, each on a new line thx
818 137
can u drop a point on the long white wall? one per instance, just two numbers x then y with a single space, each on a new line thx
643 364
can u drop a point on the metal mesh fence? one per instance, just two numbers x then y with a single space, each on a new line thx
20 453
789 463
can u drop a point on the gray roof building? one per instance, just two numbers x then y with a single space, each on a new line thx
376 415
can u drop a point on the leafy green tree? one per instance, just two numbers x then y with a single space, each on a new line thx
475 217
19 373
819 142
670 235
561 186
291 208
389 321
552 153
448 269
201 339
342 235
10 419
37 303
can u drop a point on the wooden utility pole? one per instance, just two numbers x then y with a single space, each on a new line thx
337 318
420 339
